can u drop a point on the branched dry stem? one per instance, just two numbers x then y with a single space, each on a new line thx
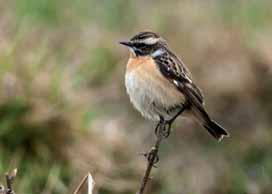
152 156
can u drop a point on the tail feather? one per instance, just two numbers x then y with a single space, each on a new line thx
215 130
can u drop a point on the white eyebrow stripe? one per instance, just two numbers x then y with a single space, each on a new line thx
149 41
157 53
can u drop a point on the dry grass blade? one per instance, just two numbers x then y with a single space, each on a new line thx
10 176
90 183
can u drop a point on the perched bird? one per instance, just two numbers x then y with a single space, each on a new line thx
160 85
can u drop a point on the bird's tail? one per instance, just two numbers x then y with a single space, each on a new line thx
215 130
212 127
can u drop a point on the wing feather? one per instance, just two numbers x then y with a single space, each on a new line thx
176 72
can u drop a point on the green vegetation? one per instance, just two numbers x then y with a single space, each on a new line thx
64 110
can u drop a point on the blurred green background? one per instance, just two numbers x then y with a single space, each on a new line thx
64 110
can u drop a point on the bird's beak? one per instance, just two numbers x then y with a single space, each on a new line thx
126 43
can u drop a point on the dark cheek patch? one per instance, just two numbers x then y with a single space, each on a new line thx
143 50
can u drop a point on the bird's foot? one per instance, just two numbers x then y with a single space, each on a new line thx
152 156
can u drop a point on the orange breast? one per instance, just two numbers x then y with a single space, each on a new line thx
147 71
139 62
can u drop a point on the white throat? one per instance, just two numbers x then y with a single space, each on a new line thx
132 52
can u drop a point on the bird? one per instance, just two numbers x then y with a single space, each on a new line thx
160 86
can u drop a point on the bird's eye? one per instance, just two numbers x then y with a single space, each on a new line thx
140 45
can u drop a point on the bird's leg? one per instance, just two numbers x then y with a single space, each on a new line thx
163 129
178 113
152 156
166 130
168 124
158 126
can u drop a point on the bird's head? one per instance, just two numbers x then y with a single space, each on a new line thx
145 43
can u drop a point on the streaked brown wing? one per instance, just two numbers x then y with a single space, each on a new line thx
176 72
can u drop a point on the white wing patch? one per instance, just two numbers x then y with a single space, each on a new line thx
176 83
